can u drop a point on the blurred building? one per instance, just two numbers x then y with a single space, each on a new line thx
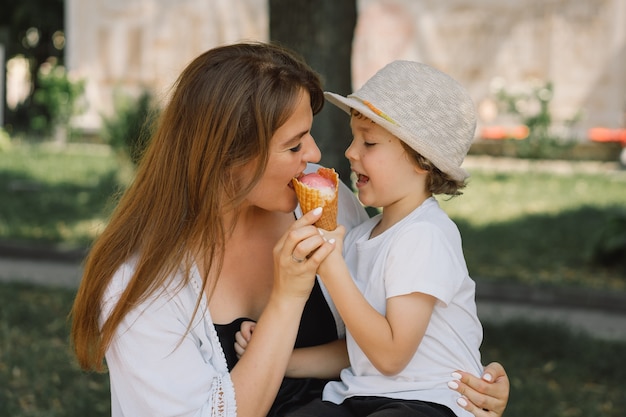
515 45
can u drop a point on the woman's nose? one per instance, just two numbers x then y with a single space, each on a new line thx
312 152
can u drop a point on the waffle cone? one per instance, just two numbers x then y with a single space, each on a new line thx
311 198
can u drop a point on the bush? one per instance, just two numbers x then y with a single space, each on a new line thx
609 246
129 129
58 95
532 109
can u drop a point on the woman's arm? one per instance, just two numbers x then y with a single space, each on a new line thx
268 352
486 396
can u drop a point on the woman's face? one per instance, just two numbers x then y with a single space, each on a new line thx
291 148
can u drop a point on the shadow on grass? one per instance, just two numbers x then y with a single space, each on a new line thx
544 249
555 372
38 373
68 212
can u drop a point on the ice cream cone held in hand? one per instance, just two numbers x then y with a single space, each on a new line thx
319 189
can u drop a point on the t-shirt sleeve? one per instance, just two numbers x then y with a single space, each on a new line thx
421 259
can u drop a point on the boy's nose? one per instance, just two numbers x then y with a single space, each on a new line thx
350 153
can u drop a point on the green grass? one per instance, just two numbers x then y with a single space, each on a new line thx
56 197
38 373
539 228
553 371
531 227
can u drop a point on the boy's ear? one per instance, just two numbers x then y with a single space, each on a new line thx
419 169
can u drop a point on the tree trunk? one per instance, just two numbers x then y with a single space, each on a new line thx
322 32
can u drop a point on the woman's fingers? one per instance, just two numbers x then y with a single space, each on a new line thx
486 396
297 256
302 238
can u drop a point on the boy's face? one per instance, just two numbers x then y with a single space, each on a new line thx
386 175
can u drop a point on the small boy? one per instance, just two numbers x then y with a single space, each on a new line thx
403 289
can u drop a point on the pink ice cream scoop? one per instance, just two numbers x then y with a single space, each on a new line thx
319 189
314 180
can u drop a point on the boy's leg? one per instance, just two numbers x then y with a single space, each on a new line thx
389 407
318 408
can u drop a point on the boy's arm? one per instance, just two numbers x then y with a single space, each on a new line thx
323 361
388 341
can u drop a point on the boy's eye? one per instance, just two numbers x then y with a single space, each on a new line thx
296 148
369 144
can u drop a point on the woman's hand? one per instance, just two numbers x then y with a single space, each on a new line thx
486 396
298 254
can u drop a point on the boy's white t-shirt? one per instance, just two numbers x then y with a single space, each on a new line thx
421 253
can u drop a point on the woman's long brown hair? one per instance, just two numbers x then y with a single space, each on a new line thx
223 111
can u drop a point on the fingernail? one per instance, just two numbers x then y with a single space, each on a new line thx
317 211
331 241
461 401
453 384
455 375
320 231
487 377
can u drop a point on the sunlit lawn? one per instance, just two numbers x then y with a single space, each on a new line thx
533 227
52 195
539 228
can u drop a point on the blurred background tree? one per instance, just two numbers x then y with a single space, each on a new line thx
33 29
322 32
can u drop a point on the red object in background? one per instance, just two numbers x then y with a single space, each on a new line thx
504 132
603 134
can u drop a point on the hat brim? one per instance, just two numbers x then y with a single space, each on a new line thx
348 103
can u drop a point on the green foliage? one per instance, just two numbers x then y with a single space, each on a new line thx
59 96
609 246
33 29
128 130
532 108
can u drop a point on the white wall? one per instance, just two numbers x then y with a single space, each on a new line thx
579 45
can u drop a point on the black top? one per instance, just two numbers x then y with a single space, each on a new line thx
317 327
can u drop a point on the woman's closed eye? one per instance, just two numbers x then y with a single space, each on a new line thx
297 148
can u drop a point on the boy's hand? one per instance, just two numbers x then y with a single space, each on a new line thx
243 336
335 237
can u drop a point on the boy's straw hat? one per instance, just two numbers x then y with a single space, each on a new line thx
423 107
